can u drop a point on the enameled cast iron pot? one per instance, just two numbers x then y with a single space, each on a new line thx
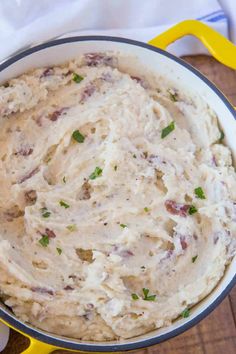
155 58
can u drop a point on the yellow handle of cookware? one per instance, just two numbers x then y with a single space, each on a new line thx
39 348
35 346
220 47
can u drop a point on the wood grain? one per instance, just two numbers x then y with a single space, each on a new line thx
217 333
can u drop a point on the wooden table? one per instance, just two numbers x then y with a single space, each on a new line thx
217 333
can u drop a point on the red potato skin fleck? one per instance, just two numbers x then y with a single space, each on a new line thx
216 238
56 114
136 78
107 77
95 59
38 121
68 287
125 253
155 159
88 91
42 290
24 151
30 196
122 253
183 243
50 233
214 163
90 306
29 175
47 72
69 72
176 208
140 81
13 213
168 255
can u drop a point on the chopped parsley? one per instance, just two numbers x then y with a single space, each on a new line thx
134 296
45 212
147 297
173 96
143 267
199 193
146 209
185 313
59 251
77 78
96 173
123 226
115 167
44 241
64 204
222 135
77 136
134 156
64 179
192 209
72 227
194 258
167 130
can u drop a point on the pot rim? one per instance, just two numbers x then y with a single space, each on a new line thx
73 344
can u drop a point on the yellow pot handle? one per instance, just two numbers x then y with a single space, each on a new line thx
220 47
35 346
39 348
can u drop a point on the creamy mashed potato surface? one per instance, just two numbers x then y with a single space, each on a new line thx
117 200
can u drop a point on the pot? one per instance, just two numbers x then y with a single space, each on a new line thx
176 70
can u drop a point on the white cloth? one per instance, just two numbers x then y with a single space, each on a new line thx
24 23
229 7
4 335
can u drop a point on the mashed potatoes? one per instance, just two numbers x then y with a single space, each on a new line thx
117 200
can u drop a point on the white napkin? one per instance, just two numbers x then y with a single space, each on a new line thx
24 23
4 335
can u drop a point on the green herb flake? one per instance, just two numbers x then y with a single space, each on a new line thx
59 251
173 96
222 135
148 297
77 78
185 313
194 258
135 297
45 213
146 209
192 210
64 179
72 227
123 226
64 204
44 241
77 136
134 156
167 130
115 168
96 173
199 193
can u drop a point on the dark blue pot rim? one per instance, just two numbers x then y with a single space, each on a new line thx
119 346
